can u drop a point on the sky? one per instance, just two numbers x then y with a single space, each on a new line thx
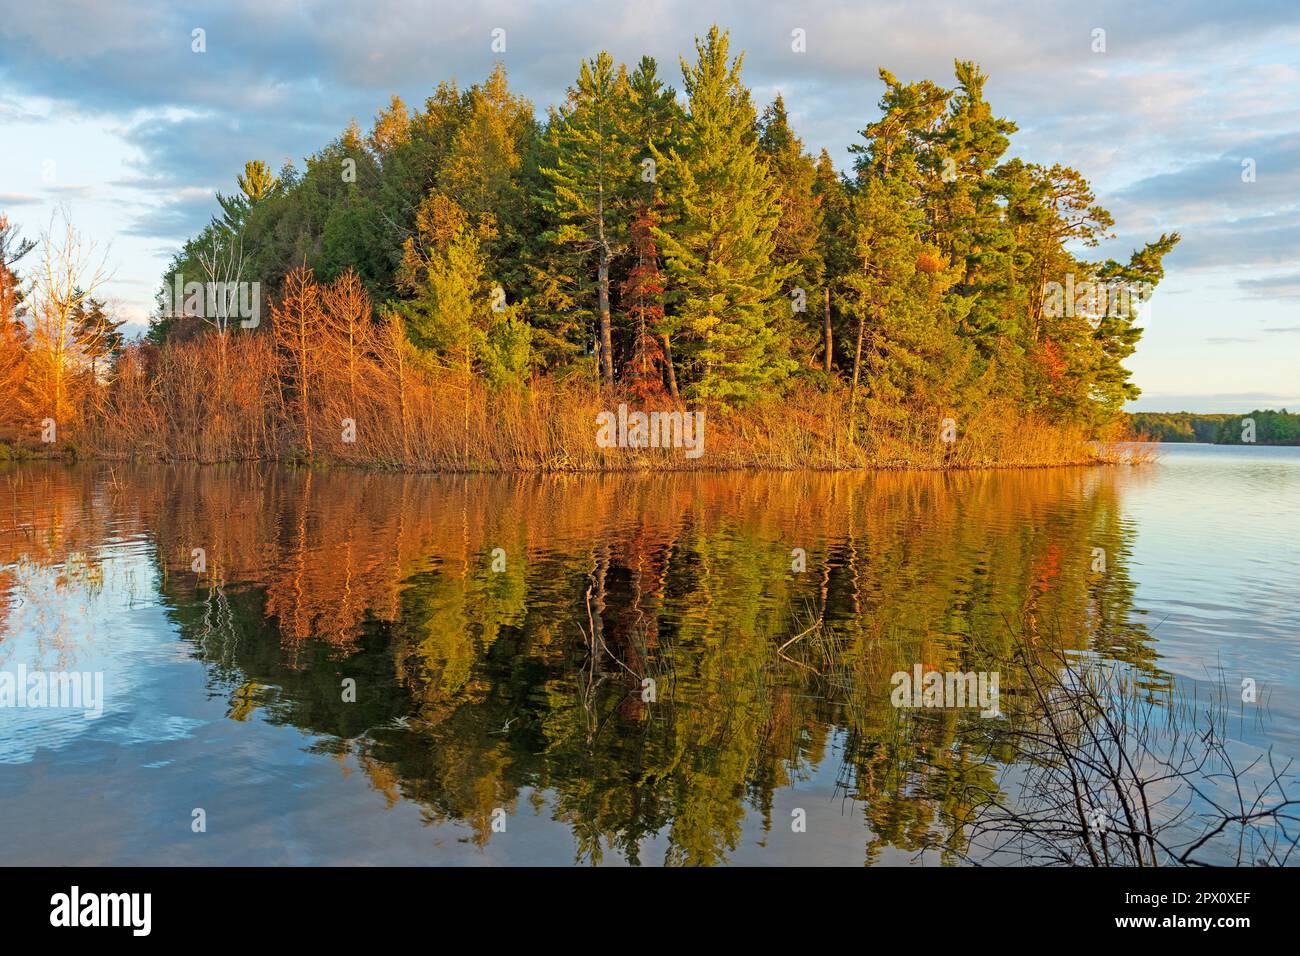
109 114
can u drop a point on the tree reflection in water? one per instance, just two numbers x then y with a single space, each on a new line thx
646 661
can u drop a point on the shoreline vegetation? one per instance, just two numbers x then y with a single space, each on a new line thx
550 431
1260 427
469 288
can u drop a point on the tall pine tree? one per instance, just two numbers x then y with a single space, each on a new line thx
592 186
720 240
798 231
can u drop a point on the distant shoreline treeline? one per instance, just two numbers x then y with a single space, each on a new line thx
466 286
1270 427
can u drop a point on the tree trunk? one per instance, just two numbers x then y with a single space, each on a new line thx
606 343
395 344
401 397
304 398
826 328
668 366
469 375
602 278
857 367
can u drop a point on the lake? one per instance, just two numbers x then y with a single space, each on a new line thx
340 667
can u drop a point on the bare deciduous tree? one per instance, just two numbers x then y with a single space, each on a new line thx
68 273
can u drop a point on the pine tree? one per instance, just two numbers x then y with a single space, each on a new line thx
923 272
12 249
655 121
836 247
352 232
410 166
256 183
1049 209
648 371
592 185
720 241
1117 333
101 334
485 173
392 128
897 286
444 269
14 338
799 227
967 205
456 316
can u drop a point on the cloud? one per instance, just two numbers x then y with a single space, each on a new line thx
13 113
1226 222
71 191
1285 286
19 199
175 219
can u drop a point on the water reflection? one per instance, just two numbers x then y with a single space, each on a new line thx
638 661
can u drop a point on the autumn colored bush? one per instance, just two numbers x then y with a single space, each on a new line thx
330 381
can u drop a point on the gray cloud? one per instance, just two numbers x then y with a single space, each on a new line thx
1285 286
171 218
1225 222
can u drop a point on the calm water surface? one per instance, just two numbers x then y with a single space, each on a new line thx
506 686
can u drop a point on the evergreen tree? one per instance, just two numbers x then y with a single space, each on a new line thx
12 249
444 270
653 121
905 343
1117 333
256 183
720 242
967 204
455 314
14 338
648 371
485 173
101 335
653 228
592 186
835 243
1049 209
798 231
410 161
392 129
